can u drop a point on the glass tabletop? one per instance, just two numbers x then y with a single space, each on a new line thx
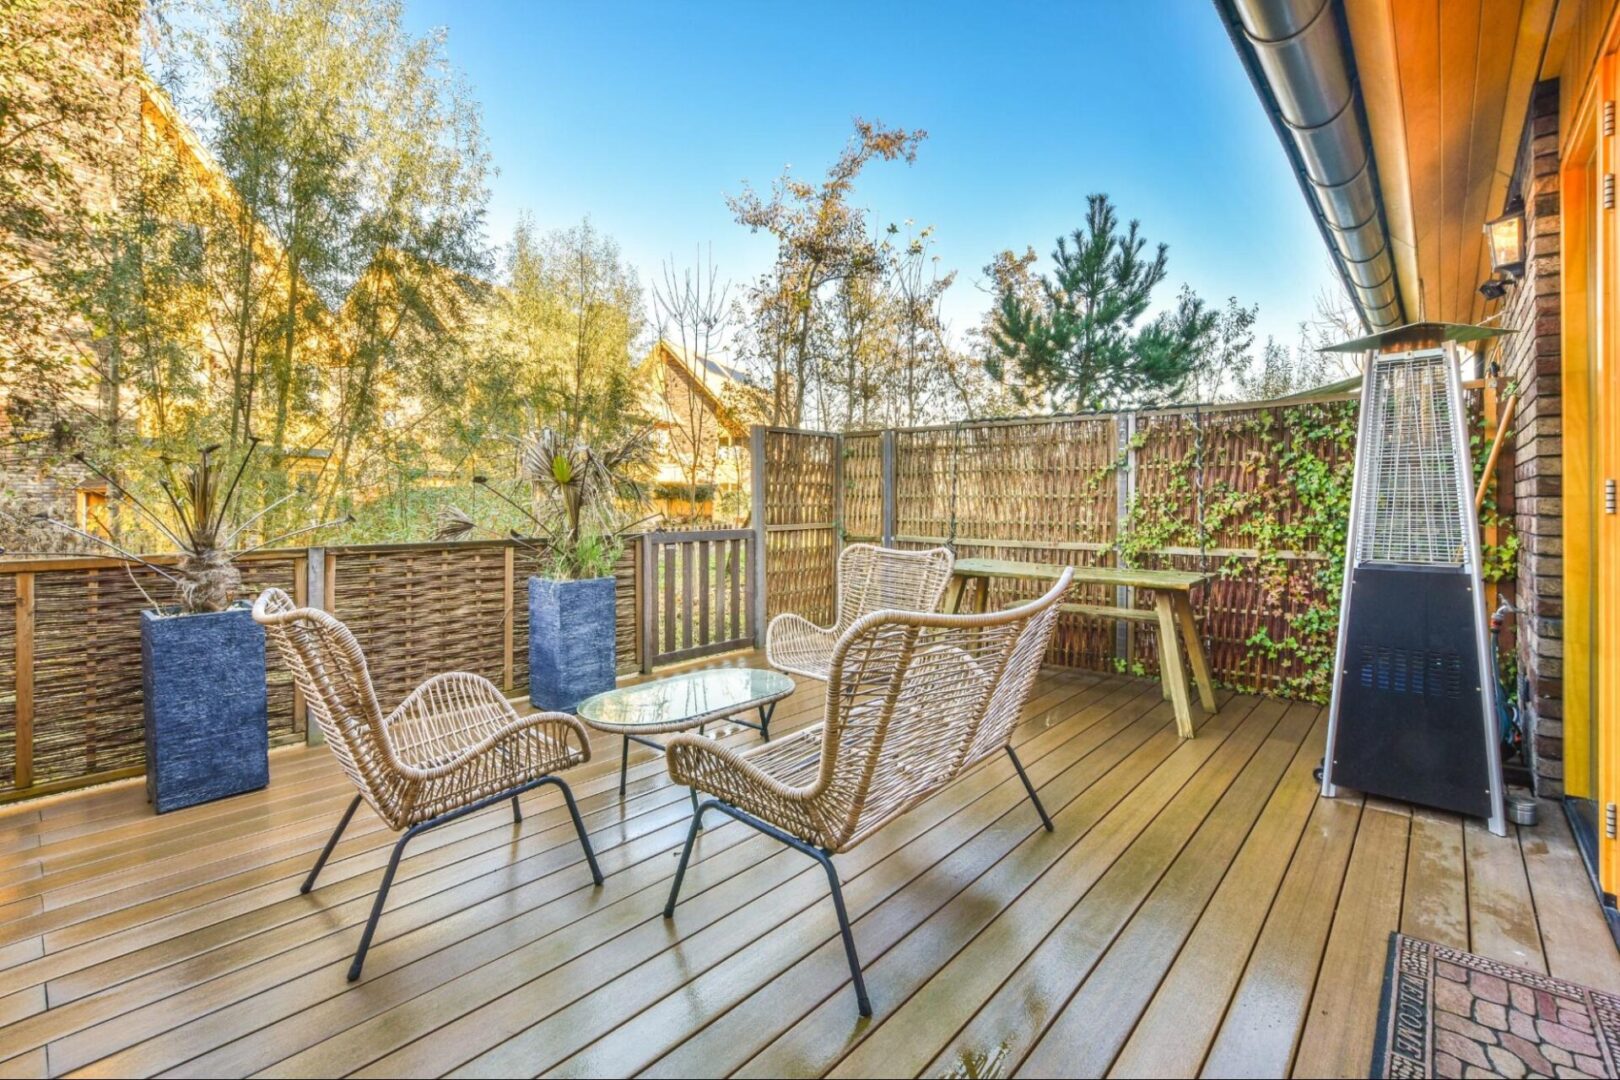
684 700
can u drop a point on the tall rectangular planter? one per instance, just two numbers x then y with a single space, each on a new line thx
571 641
207 731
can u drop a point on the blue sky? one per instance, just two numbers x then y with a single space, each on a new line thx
645 115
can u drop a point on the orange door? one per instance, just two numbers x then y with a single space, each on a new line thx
1591 430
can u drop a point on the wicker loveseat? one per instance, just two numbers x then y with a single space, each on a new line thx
453 746
912 700
870 578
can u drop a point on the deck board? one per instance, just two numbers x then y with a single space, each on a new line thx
1261 1029
1501 911
1093 1026
1025 1004
1435 901
1197 909
1338 1035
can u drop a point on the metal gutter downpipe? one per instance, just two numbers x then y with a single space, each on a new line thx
1298 57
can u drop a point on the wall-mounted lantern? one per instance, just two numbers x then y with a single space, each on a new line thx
1505 235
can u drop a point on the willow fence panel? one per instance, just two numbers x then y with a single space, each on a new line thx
70 668
419 609
797 520
863 487
70 653
1211 489
8 681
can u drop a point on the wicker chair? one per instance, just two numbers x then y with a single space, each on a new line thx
454 746
870 578
913 699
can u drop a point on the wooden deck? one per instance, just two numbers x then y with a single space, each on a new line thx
1198 910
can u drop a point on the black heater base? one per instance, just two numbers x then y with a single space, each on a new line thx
1411 713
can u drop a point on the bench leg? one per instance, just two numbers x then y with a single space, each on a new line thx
1170 666
1195 651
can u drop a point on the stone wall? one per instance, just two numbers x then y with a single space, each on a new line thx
1530 482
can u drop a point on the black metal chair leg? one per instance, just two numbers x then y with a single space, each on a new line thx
861 999
796 844
686 854
1029 787
517 811
579 825
326 852
377 905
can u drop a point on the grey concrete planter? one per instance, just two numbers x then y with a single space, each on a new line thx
207 731
571 653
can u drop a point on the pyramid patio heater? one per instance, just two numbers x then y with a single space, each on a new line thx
1412 714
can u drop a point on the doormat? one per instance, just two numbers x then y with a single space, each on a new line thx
1451 1013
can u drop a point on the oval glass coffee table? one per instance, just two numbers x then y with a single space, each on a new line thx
684 702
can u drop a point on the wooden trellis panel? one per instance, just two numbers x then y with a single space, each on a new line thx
1206 490
1047 481
1209 478
1032 491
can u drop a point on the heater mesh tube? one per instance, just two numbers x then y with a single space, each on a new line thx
1409 512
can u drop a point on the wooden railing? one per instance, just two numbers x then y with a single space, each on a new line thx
697 594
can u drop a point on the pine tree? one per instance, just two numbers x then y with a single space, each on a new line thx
1072 338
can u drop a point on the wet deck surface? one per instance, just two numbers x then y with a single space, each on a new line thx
1198 910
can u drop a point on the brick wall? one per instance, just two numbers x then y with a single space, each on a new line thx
1530 482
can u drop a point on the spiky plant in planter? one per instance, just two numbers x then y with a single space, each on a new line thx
583 500
202 659
202 524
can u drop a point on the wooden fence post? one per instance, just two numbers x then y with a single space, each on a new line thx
647 601
756 588
886 485
22 776
1124 596
315 595
300 599
838 496
508 667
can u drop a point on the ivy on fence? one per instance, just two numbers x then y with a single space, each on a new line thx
1257 497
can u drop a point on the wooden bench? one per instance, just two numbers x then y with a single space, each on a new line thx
1172 612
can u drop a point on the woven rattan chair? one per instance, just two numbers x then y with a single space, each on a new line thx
454 745
870 578
912 700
